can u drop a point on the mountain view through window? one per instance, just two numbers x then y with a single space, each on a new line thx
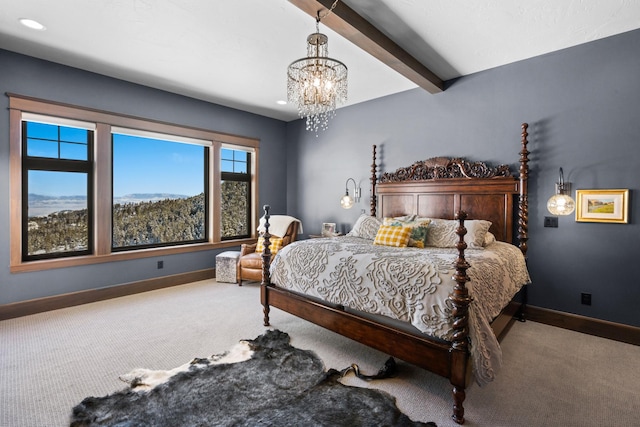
158 192
91 183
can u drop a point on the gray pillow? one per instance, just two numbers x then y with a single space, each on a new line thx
366 227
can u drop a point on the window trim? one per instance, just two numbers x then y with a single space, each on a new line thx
105 121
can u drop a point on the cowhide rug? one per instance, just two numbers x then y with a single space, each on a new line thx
274 384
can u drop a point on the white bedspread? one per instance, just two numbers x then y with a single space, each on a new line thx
408 284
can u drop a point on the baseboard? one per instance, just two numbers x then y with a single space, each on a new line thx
587 325
39 305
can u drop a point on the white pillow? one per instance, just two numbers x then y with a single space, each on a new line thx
489 238
366 227
442 233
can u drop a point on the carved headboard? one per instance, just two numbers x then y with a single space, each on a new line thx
439 187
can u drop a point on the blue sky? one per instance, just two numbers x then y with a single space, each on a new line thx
140 165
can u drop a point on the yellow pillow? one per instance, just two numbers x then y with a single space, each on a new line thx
389 235
418 236
276 244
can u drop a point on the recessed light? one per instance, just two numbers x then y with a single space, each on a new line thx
281 102
34 25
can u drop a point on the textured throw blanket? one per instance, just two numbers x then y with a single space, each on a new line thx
408 284
278 225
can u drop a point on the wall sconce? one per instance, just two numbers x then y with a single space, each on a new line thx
347 201
561 203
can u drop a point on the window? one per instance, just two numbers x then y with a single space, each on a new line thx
159 195
57 173
91 186
235 193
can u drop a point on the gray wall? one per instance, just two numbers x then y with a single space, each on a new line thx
28 76
583 107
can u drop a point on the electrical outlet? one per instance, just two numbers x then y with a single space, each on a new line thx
551 221
160 264
585 299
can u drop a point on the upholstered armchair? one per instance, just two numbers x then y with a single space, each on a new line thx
250 261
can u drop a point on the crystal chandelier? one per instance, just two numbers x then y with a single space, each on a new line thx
317 83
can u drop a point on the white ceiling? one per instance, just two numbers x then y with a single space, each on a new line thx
235 52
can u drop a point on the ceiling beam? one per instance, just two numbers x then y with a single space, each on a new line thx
346 22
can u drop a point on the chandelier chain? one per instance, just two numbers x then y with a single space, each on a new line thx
333 6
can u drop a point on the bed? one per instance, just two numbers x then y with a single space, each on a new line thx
455 332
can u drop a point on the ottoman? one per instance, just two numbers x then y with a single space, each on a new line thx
226 265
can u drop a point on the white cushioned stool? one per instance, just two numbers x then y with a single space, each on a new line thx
226 266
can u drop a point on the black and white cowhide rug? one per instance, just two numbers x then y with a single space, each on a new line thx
260 382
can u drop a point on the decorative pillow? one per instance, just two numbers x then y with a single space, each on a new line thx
366 227
489 238
419 230
392 235
442 233
419 218
403 218
274 247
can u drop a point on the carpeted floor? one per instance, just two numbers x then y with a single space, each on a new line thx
50 361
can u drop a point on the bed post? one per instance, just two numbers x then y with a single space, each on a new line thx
266 262
460 344
523 210
374 178
523 201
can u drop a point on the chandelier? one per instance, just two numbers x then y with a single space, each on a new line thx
317 83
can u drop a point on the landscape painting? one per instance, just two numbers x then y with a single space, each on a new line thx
602 205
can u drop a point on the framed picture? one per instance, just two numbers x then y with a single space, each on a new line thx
602 206
328 229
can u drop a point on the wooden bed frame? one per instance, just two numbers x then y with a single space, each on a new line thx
435 188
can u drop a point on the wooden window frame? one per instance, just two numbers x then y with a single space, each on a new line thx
102 196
